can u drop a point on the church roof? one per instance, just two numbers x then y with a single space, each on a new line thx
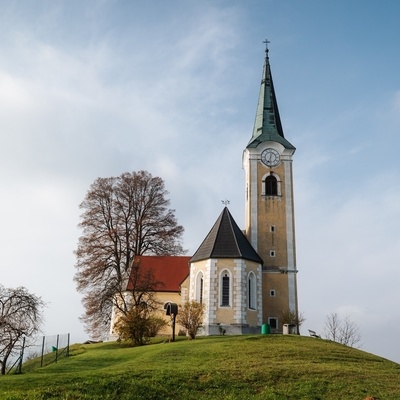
267 125
171 271
226 240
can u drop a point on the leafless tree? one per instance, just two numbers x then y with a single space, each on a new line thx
349 333
20 317
332 327
344 331
123 217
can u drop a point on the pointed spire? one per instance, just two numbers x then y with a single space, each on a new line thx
268 126
226 240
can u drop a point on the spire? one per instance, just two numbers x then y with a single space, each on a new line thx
226 240
268 126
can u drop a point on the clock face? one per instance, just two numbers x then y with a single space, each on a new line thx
270 157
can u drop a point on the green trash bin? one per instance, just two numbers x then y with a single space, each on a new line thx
265 329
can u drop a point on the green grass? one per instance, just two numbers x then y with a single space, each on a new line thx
241 367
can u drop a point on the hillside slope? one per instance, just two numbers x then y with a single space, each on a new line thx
241 367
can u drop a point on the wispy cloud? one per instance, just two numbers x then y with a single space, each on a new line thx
96 89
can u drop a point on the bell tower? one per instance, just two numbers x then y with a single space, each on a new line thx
269 219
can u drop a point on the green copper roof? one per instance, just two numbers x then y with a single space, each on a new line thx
226 240
268 126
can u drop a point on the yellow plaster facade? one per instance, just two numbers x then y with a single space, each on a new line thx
270 228
239 315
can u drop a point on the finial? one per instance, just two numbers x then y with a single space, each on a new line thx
266 41
225 202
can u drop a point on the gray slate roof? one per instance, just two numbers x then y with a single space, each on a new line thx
226 240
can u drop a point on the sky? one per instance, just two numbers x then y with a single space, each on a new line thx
97 88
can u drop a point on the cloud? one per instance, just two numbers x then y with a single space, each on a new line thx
347 256
93 90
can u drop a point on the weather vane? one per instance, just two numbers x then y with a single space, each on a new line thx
225 202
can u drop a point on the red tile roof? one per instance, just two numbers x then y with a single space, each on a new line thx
170 270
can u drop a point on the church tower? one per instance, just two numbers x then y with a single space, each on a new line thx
267 161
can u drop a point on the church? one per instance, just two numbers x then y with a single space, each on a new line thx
247 279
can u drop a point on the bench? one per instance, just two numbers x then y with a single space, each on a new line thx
313 334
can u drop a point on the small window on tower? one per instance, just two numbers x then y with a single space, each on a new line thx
272 253
272 228
272 293
273 323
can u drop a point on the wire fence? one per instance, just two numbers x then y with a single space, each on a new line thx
48 350
53 348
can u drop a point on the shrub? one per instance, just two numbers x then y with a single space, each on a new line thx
138 326
191 317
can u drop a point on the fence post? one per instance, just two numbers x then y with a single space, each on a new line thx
58 337
68 346
41 360
21 357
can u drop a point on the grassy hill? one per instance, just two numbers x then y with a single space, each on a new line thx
241 367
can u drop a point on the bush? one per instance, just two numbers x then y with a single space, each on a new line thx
191 317
155 325
138 326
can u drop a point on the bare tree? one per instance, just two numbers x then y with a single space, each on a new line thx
344 331
123 217
190 316
332 327
349 333
20 317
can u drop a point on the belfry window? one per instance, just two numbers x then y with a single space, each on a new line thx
225 290
271 186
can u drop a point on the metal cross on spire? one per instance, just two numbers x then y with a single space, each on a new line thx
266 41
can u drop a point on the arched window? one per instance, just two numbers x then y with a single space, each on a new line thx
199 287
271 186
225 289
252 291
